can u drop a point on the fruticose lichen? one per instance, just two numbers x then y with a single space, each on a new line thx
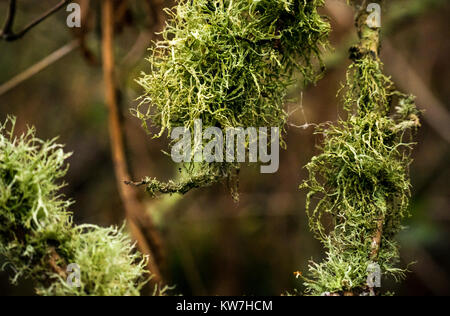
359 180
37 237
229 64
359 185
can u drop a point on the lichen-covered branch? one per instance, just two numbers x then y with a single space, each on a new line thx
359 184
204 176
37 236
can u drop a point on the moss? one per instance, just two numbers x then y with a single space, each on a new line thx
229 63
37 236
359 184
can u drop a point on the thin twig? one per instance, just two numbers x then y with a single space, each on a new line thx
139 221
38 67
9 19
8 33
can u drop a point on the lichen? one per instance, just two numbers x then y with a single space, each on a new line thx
359 185
203 175
37 236
229 64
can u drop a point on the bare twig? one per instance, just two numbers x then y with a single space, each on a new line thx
8 33
7 29
82 32
139 221
38 67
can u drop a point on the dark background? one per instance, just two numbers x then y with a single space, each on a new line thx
214 246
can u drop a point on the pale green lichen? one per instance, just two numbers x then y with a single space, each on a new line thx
37 237
361 178
200 175
229 63
108 261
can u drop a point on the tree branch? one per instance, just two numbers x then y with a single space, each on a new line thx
407 78
38 67
8 33
139 221
9 19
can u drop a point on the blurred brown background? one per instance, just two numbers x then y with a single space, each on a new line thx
212 245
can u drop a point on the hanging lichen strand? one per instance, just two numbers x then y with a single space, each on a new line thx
228 63
359 185
37 237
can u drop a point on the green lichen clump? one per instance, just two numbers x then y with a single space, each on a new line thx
359 186
229 64
37 236
200 175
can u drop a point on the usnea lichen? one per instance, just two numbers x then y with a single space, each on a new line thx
199 175
228 63
359 185
37 237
